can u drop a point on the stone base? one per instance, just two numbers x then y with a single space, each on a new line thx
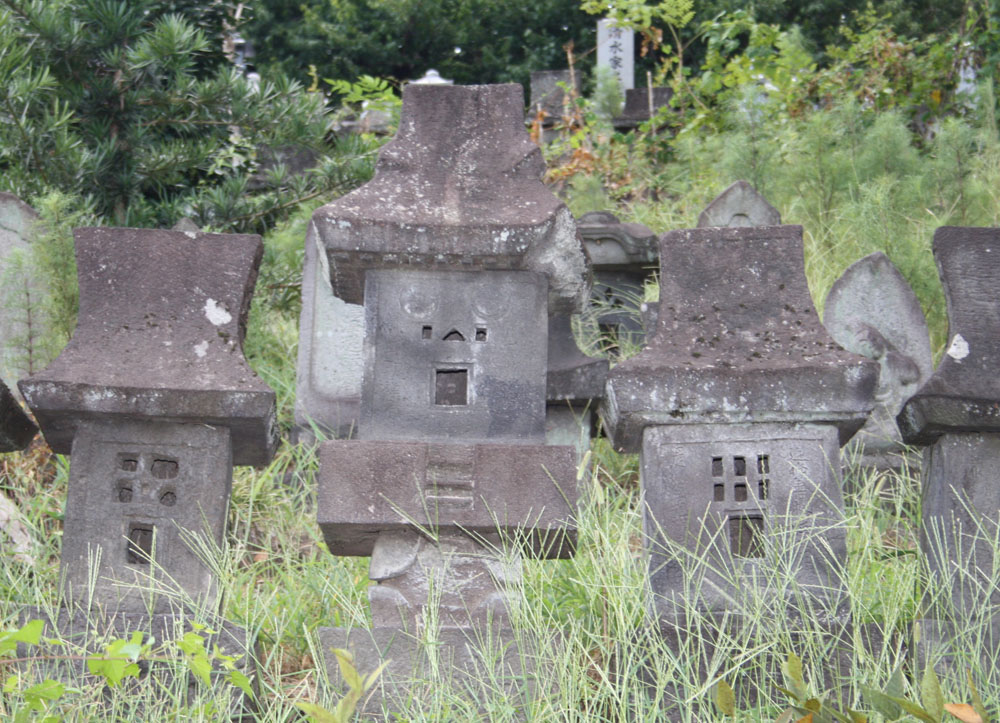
461 659
82 635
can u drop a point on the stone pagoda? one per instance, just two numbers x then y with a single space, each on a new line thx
459 256
154 403
737 407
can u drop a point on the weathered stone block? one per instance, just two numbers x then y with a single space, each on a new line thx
638 104
964 392
740 205
738 340
759 506
548 95
16 429
138 492
370 487
159 337
451 354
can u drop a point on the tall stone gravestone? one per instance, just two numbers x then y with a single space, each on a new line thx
737 407
154 403
616 51
956 416
871 310
460 256
549 103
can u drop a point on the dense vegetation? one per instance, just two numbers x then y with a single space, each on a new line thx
863 124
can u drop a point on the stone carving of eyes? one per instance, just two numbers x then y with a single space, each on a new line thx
490 309
418 303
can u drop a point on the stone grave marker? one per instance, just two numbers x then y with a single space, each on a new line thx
737 407
154 403
737 206
955 415
872 311
460 256
548 100
616 50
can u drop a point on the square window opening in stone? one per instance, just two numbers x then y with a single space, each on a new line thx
427 332
716 466
746 536
164 468
480 333
740 466
128 462
168 497
763 464
139 548
762 490
451 387
740 492
720 493
123 491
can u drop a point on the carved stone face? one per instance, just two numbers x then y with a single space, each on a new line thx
454 355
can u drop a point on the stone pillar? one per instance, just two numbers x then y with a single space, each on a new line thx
460 257
956 417
737 407
616 50
154 402
872 311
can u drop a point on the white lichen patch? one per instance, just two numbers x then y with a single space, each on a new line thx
959 348
201 349
216 313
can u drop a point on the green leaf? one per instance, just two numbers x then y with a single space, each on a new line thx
201 667
241 681
30 634
791 669
318 714
894 688
930 693
882 703
725 700
47 690
347 669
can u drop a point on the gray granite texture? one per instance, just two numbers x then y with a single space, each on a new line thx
159 337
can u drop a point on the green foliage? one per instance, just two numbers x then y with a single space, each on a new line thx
134 107
357 686
469 41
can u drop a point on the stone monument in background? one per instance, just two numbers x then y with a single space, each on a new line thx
459 256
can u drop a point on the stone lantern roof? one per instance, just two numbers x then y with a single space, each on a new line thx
737 340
